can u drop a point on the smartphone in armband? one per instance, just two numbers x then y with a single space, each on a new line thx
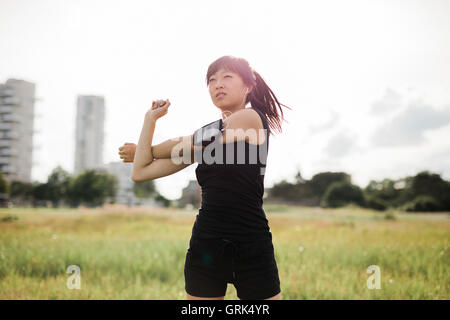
208 133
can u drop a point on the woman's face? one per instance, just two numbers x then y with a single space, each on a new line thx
232 87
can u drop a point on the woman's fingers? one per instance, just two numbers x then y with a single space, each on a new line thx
165 103
126 144
158 104
161 103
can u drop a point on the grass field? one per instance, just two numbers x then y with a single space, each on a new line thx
136 253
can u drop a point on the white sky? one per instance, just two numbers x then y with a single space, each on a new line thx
368 81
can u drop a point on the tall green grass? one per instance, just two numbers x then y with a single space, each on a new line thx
321 254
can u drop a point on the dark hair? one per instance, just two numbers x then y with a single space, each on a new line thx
261 97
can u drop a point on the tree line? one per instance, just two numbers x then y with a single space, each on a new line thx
90 188
426 191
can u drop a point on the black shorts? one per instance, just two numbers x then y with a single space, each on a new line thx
213 263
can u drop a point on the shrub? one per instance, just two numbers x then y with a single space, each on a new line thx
9 218
423 203
163 200
320 182
339 194
389 216
376 203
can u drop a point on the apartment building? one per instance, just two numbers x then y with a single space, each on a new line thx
89 133
17 98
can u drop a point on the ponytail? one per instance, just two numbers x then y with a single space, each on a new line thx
263 99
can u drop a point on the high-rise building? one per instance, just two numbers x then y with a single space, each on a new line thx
125 193
17 99
89 134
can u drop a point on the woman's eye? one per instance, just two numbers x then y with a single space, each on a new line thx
224 77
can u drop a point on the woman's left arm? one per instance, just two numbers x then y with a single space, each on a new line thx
143 156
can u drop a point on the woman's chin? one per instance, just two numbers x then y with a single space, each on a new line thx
220 105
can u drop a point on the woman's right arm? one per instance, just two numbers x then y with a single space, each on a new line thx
164 149
159 151
160 168
163 164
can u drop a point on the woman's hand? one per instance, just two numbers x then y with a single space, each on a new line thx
127 152
159 109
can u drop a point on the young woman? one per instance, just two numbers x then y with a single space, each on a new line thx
231 241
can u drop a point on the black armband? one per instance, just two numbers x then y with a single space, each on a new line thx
208 133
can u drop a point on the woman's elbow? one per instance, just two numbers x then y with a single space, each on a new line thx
136 177
140 179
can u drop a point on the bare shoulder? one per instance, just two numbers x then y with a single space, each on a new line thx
247 120
244 119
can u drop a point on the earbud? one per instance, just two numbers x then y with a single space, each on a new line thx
243 98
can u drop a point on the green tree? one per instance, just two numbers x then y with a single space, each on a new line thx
321 181
160 198
58 185
432 185
375 203
21 191
145 189
385 193
92 188
284 190
39 193
423 203
4 185
384 190
341 193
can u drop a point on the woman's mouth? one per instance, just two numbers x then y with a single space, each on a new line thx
220 95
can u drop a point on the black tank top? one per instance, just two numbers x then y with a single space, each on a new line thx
232 193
